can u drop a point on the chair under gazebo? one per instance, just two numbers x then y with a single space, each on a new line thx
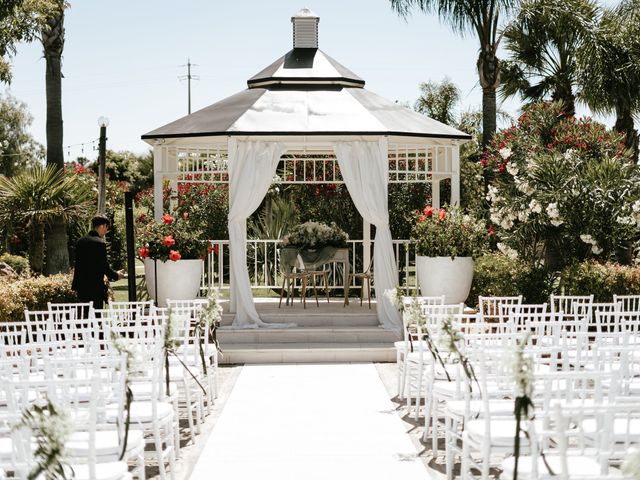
310 117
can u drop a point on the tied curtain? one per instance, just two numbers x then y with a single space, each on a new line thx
252 166
365 170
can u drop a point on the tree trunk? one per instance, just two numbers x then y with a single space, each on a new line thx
568 99
36 247
624 124
489 109
489 75
53 45
57 248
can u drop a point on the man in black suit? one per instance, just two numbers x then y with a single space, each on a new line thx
92 265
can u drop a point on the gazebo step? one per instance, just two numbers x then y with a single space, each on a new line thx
317 318
314 334
307 353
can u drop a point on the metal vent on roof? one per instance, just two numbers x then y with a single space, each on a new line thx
305 29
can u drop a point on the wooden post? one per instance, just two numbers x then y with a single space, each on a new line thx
131 256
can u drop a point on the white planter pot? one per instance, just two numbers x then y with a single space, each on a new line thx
443 276
176 280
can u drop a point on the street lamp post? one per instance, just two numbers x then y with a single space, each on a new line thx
103 122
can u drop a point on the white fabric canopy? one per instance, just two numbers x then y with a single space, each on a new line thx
365 170
252 166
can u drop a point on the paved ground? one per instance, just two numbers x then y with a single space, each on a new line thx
308 421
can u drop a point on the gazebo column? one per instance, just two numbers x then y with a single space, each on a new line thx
435 192
164 166
159 155
455 174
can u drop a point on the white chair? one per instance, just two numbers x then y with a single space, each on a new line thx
194 345
571 450
571 305
493 308
490 436
151 411
403 346
628 303
84 401
109 439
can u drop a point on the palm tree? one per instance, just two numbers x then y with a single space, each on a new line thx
609 68
52 36
481 17
543 41
35 198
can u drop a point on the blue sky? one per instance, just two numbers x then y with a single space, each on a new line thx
122 59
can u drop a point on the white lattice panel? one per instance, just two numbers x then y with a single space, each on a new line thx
407 164
201 165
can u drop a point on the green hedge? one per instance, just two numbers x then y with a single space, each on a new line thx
496 274
602 279
33 294
18 263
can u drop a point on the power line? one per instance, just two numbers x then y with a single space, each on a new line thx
81 145
188 77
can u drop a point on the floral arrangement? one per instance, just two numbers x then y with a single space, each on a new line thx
450 337
172 239
311 235
448 233
412 316
50 427
520 367
208 323
126 348
561 186
631 465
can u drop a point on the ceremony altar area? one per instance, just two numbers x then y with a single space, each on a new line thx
306 119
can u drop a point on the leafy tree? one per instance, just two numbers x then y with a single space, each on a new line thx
438 100
125 166
483 18
543 42
20 21
609 68
17 148
37 197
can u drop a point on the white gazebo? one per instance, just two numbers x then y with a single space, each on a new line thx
311 117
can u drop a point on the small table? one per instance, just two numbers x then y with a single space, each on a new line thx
313 259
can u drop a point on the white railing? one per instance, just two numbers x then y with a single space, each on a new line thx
263 264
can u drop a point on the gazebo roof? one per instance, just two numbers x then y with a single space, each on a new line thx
305 92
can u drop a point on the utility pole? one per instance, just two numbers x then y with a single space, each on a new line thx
188 77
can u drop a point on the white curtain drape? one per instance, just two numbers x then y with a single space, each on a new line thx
252 166
365 170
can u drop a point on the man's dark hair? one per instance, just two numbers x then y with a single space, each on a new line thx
98 220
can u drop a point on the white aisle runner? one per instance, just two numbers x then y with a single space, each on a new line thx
307 422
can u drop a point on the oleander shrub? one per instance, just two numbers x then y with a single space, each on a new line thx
602 279
33 294
563 189
19 264
496 274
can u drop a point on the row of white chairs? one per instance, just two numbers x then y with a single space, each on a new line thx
49 345
576 344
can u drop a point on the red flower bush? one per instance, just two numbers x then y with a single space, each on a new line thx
449 234
168 241
171 240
